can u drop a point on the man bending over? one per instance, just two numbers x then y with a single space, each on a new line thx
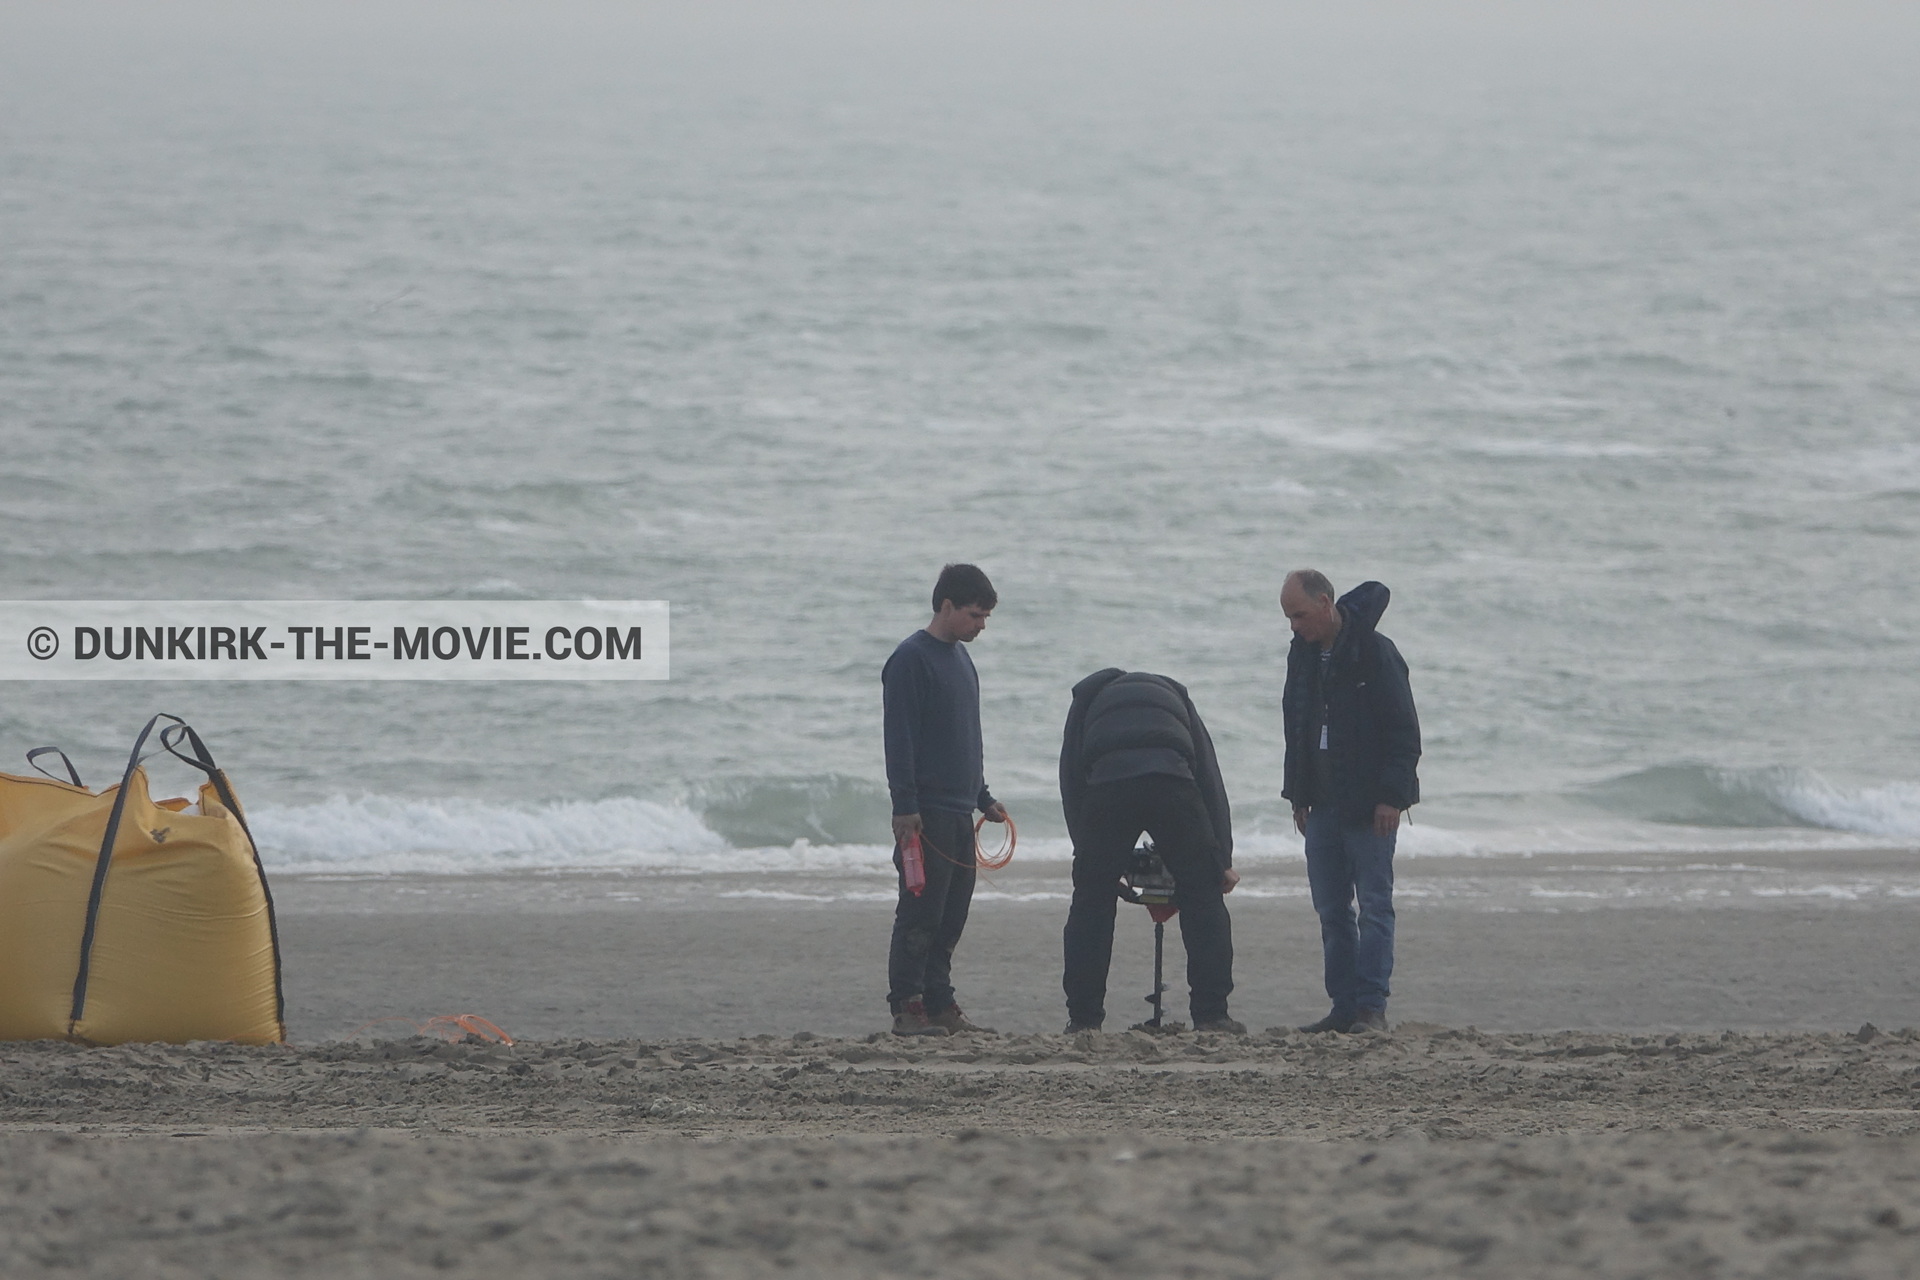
1136 757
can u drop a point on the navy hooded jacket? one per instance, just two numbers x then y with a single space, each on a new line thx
1373 733
1129 724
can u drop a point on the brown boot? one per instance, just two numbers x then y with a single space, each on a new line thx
912 1020
1222 1025
1335 1021
953 1022
1369 1022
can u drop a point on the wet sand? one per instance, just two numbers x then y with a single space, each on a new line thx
613 956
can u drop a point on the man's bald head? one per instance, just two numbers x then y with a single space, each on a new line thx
1306 597
1313 582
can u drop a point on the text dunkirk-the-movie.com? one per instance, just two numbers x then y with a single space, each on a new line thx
333 640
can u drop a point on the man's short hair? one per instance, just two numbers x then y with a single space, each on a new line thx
1313 582
965 585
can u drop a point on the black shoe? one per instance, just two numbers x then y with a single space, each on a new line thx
1335 1021
1369 1022
1223 1025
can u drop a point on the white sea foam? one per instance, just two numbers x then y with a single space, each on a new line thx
1876 472
383 834
788 895
1892 809
1288 488
1705 796
1569 449
386 835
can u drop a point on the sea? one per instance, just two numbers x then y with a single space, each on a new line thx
1588 329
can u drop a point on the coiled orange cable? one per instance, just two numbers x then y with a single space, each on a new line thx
981 859
1001 858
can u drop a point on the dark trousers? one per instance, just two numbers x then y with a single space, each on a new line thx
927 927
1170 810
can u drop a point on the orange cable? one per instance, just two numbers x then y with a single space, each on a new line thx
980 859
469 1024
1001 858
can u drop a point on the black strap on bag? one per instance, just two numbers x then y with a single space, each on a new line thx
202 760
100 872
33 758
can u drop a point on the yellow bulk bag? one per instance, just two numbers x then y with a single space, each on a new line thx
126 919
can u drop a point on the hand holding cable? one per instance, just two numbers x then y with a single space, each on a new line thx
981 858
997 812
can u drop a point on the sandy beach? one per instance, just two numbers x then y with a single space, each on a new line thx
700 1089
1430 1151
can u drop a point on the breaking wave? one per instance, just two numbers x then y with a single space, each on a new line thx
790 824
831 825
759 827
1698 795
828 809
383 834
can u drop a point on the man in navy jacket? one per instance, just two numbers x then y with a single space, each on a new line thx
1353 741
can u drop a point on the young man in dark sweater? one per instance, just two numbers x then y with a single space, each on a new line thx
935 774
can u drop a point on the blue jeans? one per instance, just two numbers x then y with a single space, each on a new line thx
1347 862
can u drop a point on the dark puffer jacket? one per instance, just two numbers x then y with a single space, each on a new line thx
1128 724
1373 733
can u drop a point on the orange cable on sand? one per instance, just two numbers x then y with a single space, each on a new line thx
442 1025
471 1024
